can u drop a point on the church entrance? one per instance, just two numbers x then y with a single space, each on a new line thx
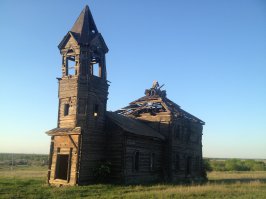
62 167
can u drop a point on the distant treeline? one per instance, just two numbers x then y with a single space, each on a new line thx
234 165
15 159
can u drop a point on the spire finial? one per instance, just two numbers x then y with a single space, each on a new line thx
155 90
84 28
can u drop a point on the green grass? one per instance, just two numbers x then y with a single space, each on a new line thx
30 182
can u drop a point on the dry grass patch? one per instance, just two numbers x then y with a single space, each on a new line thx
23 172
217 175
30 183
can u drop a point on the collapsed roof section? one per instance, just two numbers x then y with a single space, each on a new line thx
154 103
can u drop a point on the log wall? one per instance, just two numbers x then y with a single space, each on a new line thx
91 91
63 145
115 152
146 147
186 150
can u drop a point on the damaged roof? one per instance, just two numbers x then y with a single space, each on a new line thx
156 101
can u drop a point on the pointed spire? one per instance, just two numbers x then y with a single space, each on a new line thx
84 27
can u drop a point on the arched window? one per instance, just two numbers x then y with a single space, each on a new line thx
136 161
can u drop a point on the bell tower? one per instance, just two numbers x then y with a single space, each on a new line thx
77 144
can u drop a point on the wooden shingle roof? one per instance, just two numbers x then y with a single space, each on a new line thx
64 131
84 31
84 28
134 126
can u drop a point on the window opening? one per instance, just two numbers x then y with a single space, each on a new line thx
136 161
62 167
96 110
66 109
95 67
71 63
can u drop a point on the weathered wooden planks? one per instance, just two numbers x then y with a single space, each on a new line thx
151 140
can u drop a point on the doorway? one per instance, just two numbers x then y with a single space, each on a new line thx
62 167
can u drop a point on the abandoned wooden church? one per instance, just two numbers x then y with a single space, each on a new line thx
151 140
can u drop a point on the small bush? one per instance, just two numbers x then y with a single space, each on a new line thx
218 165
102 172
236 165
207 165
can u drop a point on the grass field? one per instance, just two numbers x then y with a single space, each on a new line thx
30 182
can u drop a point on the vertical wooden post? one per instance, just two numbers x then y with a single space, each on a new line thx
69 165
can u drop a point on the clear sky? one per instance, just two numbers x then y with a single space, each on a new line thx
211 56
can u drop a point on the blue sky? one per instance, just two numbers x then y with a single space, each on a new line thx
211 56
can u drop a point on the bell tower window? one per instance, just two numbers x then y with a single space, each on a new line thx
96 70
96 67
70 66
